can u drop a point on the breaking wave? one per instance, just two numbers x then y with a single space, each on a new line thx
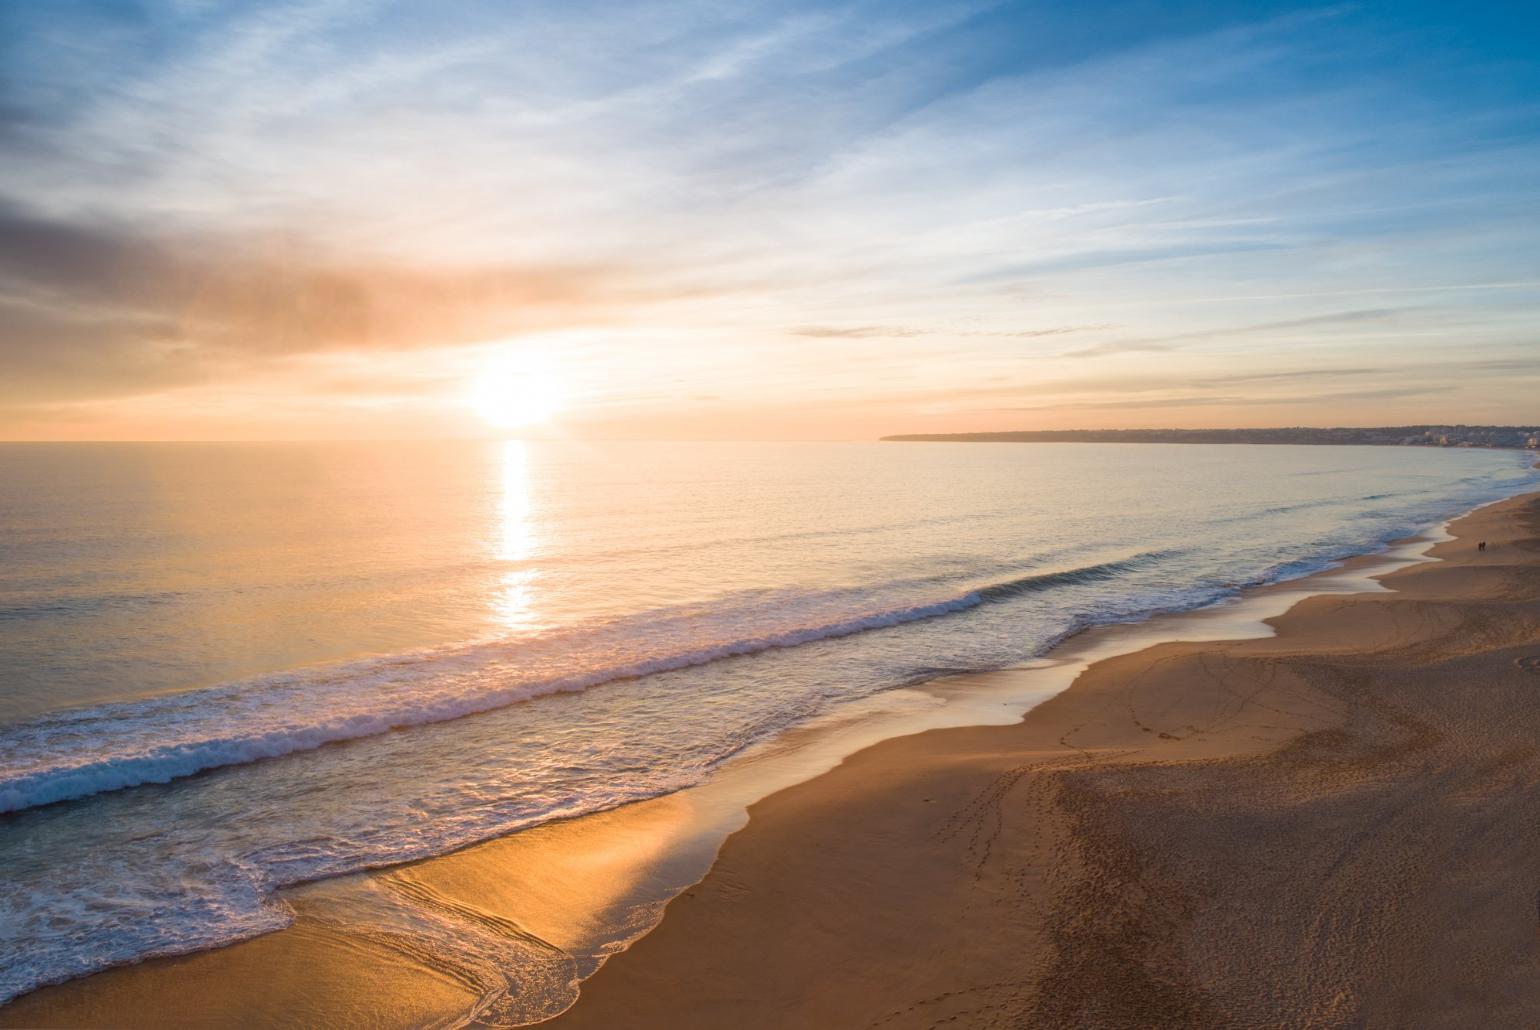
164 738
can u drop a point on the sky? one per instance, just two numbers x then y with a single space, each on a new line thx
729 220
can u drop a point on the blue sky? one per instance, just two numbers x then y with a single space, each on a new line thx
710 219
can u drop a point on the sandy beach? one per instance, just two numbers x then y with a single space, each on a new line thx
672 515
1336 826
1333 826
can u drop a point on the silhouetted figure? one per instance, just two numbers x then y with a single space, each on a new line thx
1481 546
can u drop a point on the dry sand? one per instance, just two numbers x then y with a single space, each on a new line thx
1336 826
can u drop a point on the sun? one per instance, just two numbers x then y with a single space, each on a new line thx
511 393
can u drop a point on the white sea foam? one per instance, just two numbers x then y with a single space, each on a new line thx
74 754
810 620
161 739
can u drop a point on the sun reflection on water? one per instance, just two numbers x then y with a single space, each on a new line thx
513 600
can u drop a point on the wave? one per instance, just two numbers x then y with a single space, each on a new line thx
165 738
1086 574
70 606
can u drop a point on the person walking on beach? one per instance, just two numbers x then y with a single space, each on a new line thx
1482 546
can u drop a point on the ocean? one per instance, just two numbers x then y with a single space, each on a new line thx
228 668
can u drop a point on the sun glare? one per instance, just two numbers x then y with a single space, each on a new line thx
511 394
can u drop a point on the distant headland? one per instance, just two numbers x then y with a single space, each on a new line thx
1512 437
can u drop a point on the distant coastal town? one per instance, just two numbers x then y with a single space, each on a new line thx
1506 437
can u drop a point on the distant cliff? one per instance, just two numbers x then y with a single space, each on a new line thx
1516 437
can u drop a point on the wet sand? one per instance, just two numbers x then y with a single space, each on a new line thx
1331 826
1335 826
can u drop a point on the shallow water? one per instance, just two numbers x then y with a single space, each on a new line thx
380 652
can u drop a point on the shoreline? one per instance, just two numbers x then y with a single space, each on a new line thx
1335 825
631 860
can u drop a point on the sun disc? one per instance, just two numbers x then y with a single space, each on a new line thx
509 396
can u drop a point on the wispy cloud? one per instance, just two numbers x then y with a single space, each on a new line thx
856 332
198 191
1167 343
1294 376
866 332
1097 350
1238 400
102 309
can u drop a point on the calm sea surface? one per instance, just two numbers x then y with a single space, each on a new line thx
548 629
